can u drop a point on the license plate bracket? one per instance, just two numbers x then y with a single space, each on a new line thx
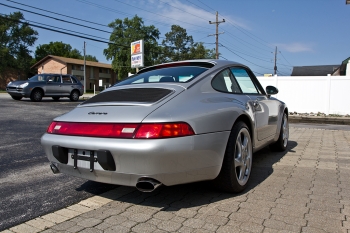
90 159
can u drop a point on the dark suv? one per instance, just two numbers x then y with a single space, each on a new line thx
46 85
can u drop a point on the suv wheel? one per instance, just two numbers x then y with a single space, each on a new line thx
74 96
36 95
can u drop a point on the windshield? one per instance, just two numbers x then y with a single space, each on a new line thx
38 78
179 74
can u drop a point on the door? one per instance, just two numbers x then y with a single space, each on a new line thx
54 85
67 85
265 109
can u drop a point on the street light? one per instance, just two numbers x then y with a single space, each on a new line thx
347 2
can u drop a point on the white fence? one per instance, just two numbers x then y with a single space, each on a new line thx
305 94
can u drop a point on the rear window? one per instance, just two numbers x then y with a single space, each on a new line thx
178 74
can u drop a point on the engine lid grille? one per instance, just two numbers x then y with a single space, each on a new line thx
139 95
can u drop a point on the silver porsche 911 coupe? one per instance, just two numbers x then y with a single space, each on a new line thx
171 124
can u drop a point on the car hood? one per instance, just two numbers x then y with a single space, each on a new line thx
16 83
124 104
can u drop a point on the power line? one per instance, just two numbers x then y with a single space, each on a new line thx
206 5
65 21
61 28
199 7
182 10
249 55
37 8
130 15
285 58
245 59
240 28
54 30
246 42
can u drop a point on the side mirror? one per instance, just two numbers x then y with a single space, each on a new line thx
271 90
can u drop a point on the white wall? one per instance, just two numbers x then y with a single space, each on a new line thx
305 94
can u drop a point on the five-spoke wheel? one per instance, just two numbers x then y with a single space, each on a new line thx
237 164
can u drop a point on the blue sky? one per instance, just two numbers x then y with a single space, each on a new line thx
306 32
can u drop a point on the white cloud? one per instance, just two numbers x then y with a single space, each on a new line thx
187 16
296 47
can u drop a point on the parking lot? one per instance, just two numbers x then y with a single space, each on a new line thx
305 189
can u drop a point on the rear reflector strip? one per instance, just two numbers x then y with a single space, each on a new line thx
122 130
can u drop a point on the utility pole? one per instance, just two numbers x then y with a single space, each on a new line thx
84 67
275 67
217 22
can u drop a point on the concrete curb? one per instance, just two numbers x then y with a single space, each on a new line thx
319 120
47 221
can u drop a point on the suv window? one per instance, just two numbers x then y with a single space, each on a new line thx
244 80
38 77
74 80
66 79
53 78
225 82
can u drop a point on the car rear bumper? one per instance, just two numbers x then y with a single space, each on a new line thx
170 161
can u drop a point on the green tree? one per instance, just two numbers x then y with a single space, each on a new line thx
61 49
198 51
90 58
124 32
15 39
178 45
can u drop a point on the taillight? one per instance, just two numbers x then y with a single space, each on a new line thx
164 130
108 130
121 130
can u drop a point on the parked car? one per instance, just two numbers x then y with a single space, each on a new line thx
171 124
46 85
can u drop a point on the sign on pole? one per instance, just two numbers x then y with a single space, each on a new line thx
137 58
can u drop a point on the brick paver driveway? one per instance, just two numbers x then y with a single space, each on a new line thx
305 189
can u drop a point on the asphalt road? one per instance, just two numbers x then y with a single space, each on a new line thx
28 188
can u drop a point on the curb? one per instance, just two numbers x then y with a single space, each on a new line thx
47 221
319 120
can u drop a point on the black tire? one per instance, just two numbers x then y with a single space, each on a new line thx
74 96
282 142
237 164
56 98
16 97
36 95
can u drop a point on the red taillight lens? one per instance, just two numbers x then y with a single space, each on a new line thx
121 130
164 130
108 130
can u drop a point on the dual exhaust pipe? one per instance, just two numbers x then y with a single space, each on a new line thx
147 185
143 184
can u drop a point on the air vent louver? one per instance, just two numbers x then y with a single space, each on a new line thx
140 95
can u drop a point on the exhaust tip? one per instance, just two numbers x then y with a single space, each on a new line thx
147 184
54 169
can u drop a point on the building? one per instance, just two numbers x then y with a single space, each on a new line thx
314 70
95 71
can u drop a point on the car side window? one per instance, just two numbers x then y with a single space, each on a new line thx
225 82
74 80
54 78
244 80
66 79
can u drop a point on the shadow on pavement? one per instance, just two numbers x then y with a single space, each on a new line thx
174 198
